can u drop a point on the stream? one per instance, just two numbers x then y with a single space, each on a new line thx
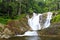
33 38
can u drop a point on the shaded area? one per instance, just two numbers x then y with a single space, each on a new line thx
28 38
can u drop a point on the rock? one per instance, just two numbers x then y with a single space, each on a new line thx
54 29
2 26
6 33
18 26
5 36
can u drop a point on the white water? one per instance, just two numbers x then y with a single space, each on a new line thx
47 22
34 23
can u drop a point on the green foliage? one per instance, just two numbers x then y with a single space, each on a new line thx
21 16
30 10
3 21
38 6
14 9
27 6
56 19
10 10
58 11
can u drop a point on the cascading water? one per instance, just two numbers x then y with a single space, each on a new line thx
35 23
47 22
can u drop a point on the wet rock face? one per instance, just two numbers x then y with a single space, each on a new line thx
42 18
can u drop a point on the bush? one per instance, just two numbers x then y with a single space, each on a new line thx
56 19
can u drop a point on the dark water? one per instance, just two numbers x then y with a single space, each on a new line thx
33 38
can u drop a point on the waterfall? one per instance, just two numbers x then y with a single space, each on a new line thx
35 22
47 22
